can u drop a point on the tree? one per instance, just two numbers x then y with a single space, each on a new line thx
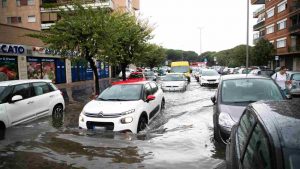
154 55
263 52
129 40
81 29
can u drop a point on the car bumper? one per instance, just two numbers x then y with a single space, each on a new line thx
100 123
294 91
170 89
210 82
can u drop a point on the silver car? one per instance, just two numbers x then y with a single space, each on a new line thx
294 87
174 82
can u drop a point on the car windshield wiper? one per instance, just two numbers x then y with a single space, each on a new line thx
246 101
117 100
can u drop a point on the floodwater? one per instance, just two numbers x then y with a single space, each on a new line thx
180 137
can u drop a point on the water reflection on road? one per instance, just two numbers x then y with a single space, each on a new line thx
180 137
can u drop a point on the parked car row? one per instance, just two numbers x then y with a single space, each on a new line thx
251 116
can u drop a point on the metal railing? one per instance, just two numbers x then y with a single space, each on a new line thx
294 48
294 6
259 25
58 3
294 27
259 11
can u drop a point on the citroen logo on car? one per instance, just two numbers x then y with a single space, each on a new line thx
100 114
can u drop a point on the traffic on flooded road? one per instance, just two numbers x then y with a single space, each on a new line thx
181 135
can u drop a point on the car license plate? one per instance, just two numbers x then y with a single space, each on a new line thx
99 128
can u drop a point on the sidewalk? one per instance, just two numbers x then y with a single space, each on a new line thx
82 91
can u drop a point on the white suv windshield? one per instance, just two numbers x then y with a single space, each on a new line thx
121 93
173 78
210 73
249 90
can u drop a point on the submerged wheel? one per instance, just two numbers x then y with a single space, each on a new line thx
57 112
162 104
142 124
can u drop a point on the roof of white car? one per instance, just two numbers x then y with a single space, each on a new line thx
16 82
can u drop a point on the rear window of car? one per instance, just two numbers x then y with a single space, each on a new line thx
137 75
249 90
41 88
296 76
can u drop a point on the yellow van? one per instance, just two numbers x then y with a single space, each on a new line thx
181 67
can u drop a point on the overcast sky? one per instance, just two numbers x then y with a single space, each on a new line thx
176 23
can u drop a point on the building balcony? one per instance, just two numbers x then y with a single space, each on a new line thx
258 26
294 49
295 6
295 29
259 11
55 6
254 2
46 25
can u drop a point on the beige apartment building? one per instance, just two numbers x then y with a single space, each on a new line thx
22 57
279 22
41 14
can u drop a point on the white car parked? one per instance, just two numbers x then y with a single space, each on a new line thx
26 100
123 107
209 77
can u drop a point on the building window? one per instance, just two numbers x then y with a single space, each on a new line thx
281 24
282 6
31 18
13 20
4 3
270 13
24 2
270 29
281 43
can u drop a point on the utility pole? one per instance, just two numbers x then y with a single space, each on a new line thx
200 47
247 47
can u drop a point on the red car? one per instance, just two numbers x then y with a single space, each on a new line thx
133 77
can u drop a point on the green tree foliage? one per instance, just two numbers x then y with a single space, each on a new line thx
129 40
81 29
263 52
209 57
154 55
178 55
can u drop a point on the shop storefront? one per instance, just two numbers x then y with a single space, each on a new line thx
81 71
46 68
103 69
9 68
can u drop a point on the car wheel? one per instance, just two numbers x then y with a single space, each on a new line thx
162 104
198 80
2 131
217 136
142 124
57 112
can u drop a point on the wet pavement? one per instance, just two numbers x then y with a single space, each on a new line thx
180 137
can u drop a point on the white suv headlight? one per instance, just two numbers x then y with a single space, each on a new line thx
128 112
225 120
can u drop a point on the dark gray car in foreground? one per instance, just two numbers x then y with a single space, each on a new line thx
234 93
267 136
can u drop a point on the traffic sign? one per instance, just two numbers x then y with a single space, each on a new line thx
276 57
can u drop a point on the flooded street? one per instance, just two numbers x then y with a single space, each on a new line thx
180 137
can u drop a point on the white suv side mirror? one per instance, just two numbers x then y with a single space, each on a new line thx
16 98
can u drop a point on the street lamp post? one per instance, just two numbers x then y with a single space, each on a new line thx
247 46
200 47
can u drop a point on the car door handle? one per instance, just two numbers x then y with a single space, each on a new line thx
30 102
51 96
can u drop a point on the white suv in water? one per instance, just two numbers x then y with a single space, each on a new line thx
25 100
126 106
